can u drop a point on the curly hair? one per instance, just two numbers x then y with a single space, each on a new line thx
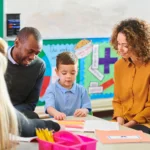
137 34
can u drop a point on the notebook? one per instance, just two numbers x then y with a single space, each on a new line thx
121 136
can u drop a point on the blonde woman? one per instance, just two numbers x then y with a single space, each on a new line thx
12 121
8 119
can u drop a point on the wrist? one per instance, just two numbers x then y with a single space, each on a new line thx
86 110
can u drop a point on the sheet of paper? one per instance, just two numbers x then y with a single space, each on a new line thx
72 125
23 139
26 139
92 125
74 129
95 57
96 73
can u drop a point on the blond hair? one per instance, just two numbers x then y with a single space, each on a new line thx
8 118
3 47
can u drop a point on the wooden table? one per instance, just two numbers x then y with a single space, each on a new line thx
100 146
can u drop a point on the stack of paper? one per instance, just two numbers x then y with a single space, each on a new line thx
88 125
72 125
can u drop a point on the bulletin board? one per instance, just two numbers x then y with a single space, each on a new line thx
96 60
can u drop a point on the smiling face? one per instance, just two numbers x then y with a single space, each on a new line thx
26 50
67 74
123 47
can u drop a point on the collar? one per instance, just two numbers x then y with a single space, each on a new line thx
64 90
10 56
130 63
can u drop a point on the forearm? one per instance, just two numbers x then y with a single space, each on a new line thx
52 111
27 126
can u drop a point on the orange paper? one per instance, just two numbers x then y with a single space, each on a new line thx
72 123
121 136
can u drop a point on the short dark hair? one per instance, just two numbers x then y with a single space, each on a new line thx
66 58
25 32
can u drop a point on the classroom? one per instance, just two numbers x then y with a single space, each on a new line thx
95 34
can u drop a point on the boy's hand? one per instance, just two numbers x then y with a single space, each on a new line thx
59 116
81 112
56 114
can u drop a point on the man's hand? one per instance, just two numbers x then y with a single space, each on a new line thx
81 112
120 120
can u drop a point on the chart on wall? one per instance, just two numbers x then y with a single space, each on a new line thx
96 61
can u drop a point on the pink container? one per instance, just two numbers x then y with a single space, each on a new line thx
65 140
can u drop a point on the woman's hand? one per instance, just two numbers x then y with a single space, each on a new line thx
130 123
120 120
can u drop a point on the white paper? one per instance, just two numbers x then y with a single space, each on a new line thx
98 89
129 137
95 57
26 139
74 129
93 84
96 73
22 139
92 125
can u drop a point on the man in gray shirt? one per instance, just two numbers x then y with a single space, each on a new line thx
25 71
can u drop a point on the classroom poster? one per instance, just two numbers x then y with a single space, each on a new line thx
96 61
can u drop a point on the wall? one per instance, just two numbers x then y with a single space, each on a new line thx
76 19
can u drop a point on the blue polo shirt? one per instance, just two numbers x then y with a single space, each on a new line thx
67 100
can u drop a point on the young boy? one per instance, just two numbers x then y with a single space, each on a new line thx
65 97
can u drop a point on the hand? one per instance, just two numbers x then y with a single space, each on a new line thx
120 120
81 112
59 116
130 123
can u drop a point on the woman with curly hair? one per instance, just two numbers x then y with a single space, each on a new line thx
131 103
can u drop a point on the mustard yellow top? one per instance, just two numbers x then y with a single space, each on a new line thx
132 91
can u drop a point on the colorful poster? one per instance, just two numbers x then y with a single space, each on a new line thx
96 62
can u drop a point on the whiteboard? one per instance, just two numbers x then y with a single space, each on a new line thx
76 18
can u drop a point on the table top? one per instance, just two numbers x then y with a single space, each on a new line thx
100 146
